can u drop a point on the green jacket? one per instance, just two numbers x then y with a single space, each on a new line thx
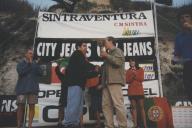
114 68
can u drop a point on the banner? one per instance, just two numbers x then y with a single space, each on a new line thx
48 101
57 35
182 116
8 109
49 49
119 25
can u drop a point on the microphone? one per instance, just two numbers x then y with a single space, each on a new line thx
101 45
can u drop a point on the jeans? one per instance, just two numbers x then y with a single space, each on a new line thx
74 107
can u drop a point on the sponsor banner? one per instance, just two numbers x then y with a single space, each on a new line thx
149 72
183 103
149 75
47 115
47 108
8 109
152 75
49 94
120 25
182 117
52 49
151 89
147 67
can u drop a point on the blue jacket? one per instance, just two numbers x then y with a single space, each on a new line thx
28 74
183 45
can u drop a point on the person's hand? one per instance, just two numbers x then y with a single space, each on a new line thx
104 54
97 68
99 87
188 25
30 59
63 71
133 75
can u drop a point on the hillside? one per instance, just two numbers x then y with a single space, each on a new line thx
16 34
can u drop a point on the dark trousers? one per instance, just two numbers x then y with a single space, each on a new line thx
187 79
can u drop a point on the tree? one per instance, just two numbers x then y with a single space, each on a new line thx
85 6
71 6
166 2
16 7
68 5
120 5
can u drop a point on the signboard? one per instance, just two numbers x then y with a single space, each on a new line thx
49 49
57 35
182 117
8 109
74 26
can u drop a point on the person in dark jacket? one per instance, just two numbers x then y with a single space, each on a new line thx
183 49
27 87
63 96
77 73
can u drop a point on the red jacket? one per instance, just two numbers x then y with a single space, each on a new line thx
134 78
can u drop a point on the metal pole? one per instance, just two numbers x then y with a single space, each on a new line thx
157 49
36 29
25 114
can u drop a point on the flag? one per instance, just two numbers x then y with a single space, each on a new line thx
67 4
158 113
62 63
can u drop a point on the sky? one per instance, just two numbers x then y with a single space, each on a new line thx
41 3
47 3
181 2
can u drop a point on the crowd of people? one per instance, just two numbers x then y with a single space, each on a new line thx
108 96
